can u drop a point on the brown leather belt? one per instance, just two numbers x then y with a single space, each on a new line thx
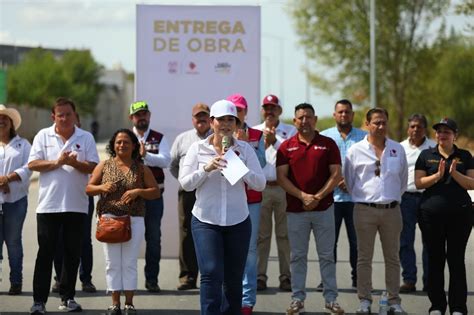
272 183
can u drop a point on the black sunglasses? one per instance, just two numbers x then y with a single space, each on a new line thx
377 170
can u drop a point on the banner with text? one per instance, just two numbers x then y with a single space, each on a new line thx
191 54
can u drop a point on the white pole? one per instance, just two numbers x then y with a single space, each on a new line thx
373 94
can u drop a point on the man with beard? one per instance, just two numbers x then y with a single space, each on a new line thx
376 175
308 169
188 267
275 133
155 152
345 135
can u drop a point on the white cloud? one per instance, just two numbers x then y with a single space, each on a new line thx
7 39
83 14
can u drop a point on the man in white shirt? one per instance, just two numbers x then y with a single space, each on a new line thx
188 266
273 202
155 152
64 155
376 175
413 145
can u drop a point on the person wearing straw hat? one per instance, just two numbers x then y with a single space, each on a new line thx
14 183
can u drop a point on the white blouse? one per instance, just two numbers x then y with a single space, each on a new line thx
217 201
14 158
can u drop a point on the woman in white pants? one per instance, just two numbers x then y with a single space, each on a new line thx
124 183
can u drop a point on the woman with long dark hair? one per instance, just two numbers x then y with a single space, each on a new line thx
123 183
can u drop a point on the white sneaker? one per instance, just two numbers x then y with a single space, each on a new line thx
436 312
457 313
364 307
70 306
397 309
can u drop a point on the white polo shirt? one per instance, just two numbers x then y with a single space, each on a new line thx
217 201
63 189
283 132
360 168
412 152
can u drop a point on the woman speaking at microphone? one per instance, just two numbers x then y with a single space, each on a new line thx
220 224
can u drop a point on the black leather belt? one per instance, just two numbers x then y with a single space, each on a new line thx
391 205
414 193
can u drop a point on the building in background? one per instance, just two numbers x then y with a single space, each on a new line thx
111 108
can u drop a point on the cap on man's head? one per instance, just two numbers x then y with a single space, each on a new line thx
223 108
448 122
200 108
138 106
238 100
271 99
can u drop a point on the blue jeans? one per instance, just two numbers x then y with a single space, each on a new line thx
249 284
153 215
345 211
221 252
11 226
300 225
409 208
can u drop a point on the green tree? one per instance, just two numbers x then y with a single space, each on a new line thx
83 74
37 80
454 84
40 78
336 34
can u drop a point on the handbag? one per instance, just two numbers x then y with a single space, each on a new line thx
113 229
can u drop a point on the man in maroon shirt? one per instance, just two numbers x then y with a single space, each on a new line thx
308 169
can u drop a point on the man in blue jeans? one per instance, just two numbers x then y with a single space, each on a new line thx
345 135
155 152
413 145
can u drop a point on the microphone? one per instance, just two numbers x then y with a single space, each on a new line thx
225 143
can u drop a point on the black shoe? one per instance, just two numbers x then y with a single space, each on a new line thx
55 287
285 285
15 289
320 287
261 285
114 310
152 287
89 287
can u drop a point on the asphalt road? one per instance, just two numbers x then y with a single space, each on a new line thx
171 301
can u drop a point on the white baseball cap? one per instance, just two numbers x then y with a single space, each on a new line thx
223 108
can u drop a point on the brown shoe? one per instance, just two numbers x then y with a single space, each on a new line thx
15 289
55 287
261 285
187 285
407 287
285 285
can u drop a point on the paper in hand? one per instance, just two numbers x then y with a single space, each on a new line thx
235 169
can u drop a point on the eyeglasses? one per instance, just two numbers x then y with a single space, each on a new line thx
377 170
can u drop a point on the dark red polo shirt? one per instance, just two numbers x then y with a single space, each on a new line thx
308 167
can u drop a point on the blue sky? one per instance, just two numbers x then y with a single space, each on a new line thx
107 28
